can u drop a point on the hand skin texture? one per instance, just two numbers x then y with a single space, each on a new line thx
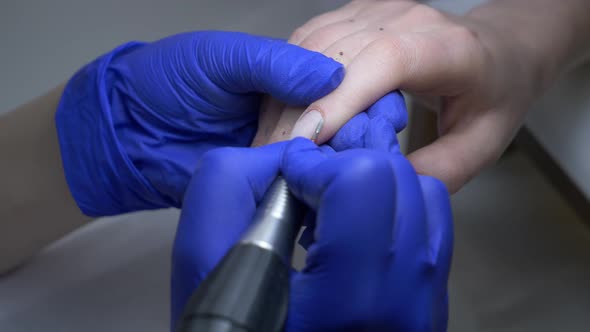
487 67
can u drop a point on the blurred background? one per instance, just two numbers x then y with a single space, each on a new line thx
522 251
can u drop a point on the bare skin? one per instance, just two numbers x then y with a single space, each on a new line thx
487 67
37 207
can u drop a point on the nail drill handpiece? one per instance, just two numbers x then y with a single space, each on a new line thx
248 291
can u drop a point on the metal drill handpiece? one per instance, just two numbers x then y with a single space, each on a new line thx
277 221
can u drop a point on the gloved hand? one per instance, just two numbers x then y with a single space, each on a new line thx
380 255
219 204
374 129
133 123
381 252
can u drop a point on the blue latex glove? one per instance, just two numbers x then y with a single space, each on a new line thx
218 207
382 245
379 258
376 128
373 129
133 124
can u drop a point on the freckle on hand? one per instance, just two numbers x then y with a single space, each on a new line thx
351 20
380 29
341 53
284 133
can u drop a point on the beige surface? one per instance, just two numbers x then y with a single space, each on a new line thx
522 257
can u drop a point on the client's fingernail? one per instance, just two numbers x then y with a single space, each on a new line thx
309 125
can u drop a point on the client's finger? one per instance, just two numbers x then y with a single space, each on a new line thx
465 149
418 62
345 13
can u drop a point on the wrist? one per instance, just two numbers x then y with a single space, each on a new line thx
531 69
545 38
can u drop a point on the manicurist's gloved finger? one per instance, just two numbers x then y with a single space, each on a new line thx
218 206
379 256
245 63
376 128
351 194
439 220
440 239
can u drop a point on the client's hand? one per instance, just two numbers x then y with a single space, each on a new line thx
486 79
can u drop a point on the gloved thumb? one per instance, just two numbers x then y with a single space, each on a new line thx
376 128
243 63
218 207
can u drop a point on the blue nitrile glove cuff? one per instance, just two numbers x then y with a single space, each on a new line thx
134 123
101 177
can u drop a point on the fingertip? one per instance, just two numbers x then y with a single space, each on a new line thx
376 128
392 108
297 166
352 134
464 150
388 117
272 150
431 161
320 75
299 76
267 160
300 154
298 144
334 80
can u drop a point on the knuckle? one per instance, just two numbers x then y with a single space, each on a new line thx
422 13
452 169
387 48
321 19
469 39
463 35
468 50
315 42
310 26
397 54
299 34
219 160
